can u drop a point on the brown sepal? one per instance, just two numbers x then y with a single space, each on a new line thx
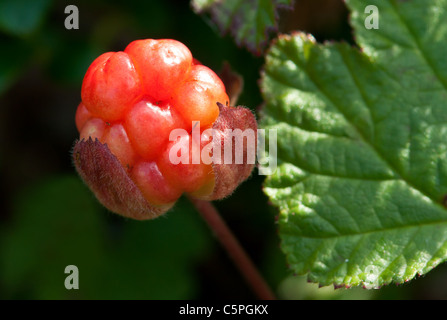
109 181
230 176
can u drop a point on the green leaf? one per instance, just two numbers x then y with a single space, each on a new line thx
362 149
14 57
57 222
249 22
155 259
200 5
22 17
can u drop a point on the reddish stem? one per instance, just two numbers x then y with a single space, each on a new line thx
234 249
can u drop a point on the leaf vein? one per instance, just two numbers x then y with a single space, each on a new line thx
361 134
419 47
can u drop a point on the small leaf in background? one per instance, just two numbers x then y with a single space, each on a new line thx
57 222
22 17
249 22
362 146
13 59
156 259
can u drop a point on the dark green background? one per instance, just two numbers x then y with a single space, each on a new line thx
49 219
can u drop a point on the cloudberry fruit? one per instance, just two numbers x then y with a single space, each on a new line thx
132 102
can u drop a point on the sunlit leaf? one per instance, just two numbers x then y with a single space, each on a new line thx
362 146
249 22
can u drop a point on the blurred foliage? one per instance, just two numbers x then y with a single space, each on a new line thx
56 223
49 219
22 17
249 22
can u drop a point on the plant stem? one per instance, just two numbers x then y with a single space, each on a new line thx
234 249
